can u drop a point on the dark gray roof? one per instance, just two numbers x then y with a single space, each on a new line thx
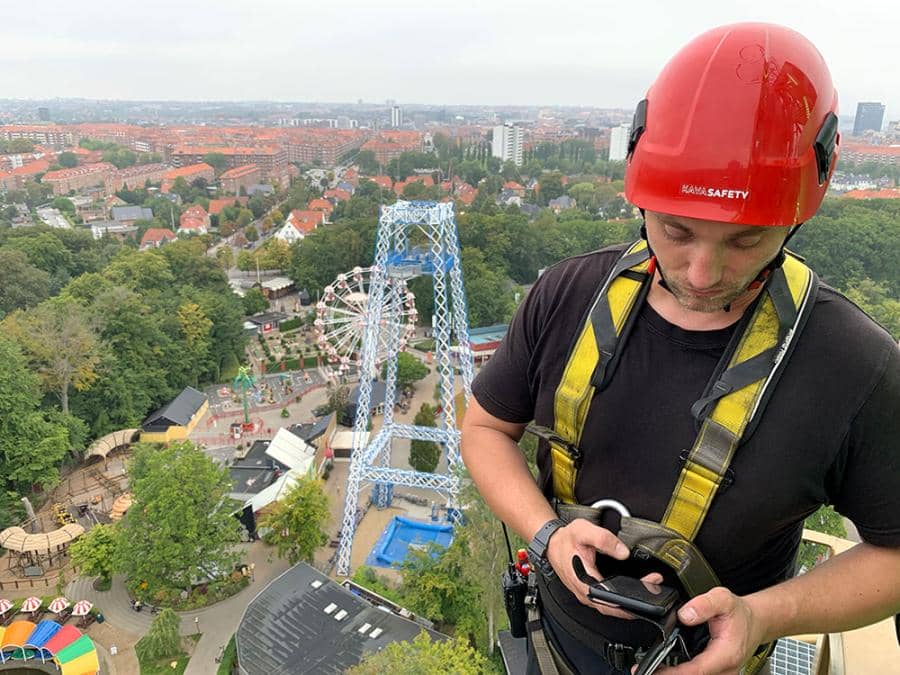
530 209
178 413
121 213
255 472
379 390
285 628
515 656
268 317
310 432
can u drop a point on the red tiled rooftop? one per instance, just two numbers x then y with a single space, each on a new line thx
185 171
337 194
216 205
884 193
157 234
239 171
321 205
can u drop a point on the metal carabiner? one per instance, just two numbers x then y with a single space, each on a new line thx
603 504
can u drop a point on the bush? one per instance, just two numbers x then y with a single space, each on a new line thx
285 412
292 363
290 324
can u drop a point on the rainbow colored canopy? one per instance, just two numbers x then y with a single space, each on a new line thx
72 651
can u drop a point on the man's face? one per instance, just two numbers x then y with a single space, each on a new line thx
707 264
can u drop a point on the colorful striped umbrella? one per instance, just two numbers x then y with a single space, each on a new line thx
59 604
81 608
31 604
4 605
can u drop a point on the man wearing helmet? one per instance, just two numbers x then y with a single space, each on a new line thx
731 151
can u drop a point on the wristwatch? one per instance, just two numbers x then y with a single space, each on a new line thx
537 549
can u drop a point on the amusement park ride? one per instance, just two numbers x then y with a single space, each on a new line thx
367 318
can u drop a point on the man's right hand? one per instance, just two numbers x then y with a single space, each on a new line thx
584 539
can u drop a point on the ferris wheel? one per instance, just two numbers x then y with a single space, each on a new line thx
343 314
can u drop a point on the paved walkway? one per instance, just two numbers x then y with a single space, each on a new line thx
216 623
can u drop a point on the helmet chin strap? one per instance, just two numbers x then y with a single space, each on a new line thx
760 279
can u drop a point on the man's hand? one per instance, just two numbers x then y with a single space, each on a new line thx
584 539
734 633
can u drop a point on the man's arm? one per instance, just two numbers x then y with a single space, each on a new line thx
853 589
498 468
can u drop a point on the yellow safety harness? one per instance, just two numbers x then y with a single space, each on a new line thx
729 409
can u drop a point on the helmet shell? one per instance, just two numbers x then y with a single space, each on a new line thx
731 124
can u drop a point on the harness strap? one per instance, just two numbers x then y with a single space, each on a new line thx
591 354
737 394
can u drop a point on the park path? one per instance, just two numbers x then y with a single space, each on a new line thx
216 623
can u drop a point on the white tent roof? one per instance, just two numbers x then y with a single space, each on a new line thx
280 487
290 450
343 440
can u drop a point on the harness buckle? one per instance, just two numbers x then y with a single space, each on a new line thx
620 656
552 437
728 478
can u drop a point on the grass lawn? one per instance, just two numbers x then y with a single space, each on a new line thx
164 666
228 658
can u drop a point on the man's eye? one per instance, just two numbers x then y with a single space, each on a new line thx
675 234
747 242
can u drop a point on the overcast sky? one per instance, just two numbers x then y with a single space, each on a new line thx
562 52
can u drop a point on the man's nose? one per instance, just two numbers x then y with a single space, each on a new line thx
705 269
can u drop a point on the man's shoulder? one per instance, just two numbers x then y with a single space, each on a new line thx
843 335
579 273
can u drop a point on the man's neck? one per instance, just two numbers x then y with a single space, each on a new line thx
668 307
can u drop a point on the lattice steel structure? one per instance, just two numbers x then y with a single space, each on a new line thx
414 239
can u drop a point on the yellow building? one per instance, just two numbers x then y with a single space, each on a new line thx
176 420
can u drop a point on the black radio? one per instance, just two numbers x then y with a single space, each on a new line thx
515 586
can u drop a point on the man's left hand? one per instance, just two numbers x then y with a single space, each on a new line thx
734 631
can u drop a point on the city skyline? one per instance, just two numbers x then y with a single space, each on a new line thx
583 55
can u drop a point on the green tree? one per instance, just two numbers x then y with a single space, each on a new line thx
67 160
245 217
423 656
61 345
163 640
409 370
296 526
826 520
216 160
488 293
225 256
32 444
251 233
551 186
22 284
424 455
367 163
338 398
64 205
93 554
173 536
433 586
254 301
196 328
875 300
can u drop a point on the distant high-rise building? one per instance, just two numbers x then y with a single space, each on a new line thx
44 114
618 142
869 117
507 143
396 117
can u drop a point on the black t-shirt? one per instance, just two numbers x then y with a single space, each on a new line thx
829 434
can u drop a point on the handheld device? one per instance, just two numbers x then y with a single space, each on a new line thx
515 587
656 656
634 595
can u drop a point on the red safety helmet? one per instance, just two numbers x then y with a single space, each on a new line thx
740 127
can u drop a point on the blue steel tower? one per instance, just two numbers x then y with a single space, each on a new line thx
414 238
